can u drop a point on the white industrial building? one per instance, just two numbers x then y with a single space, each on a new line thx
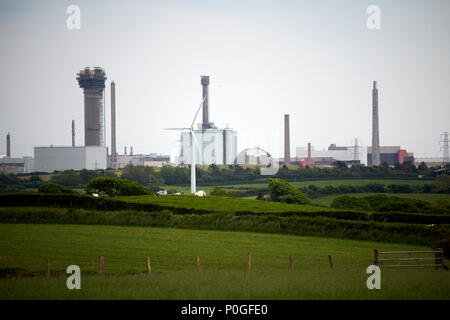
215 146
254 155
49 159
16 165
149 160
345 154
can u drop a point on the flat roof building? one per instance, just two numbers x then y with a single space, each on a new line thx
391 155
49 159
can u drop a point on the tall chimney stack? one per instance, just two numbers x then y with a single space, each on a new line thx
131 150
287 141
8 146
309 154
125 150
205 98
92 81
73 133
113 126
375 129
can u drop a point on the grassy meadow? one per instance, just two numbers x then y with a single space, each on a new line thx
223 259
227 204
433 198
297 184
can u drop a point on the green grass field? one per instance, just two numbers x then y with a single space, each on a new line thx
338 182
431 197
318 183
223 257
222 203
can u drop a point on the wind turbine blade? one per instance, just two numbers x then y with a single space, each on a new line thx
195 140
196 114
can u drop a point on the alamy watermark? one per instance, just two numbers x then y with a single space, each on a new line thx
374 19
374 280
74 280
73 22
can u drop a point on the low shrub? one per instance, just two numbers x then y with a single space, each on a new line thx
384 203
217 191
282 191
116 187
349 202
51 187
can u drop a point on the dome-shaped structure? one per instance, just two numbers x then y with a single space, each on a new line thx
254 155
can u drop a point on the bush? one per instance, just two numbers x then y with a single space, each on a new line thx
383 203
217 191
51 187
406 205
116 187
68 178
282 191
349 202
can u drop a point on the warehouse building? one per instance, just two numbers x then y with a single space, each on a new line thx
16 165
150 160
327 157
391 155
49 159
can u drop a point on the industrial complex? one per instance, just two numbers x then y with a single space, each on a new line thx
213 145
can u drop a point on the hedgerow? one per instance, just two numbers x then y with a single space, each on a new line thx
437 235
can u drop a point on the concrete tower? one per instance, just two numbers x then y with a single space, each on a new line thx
73 133
375 129
93 83
287 141
113 126
309 154
8 146
205 98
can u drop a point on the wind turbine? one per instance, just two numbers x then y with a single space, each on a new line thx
193 145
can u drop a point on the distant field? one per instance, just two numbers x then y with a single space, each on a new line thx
223 258
318 183
187 189
431 197
222 203
322 183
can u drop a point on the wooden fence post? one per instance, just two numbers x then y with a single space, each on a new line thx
330 260
438 261
197 258
149 267
47 268
291 263
249 261
101 265
376 257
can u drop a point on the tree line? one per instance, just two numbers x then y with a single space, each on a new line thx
215 175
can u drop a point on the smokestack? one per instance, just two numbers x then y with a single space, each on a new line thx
73 133
205 98
113 125
92 81
287 142
309 154
125 150
131 150
375 129
8 146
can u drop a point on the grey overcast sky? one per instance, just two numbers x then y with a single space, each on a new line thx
314 60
